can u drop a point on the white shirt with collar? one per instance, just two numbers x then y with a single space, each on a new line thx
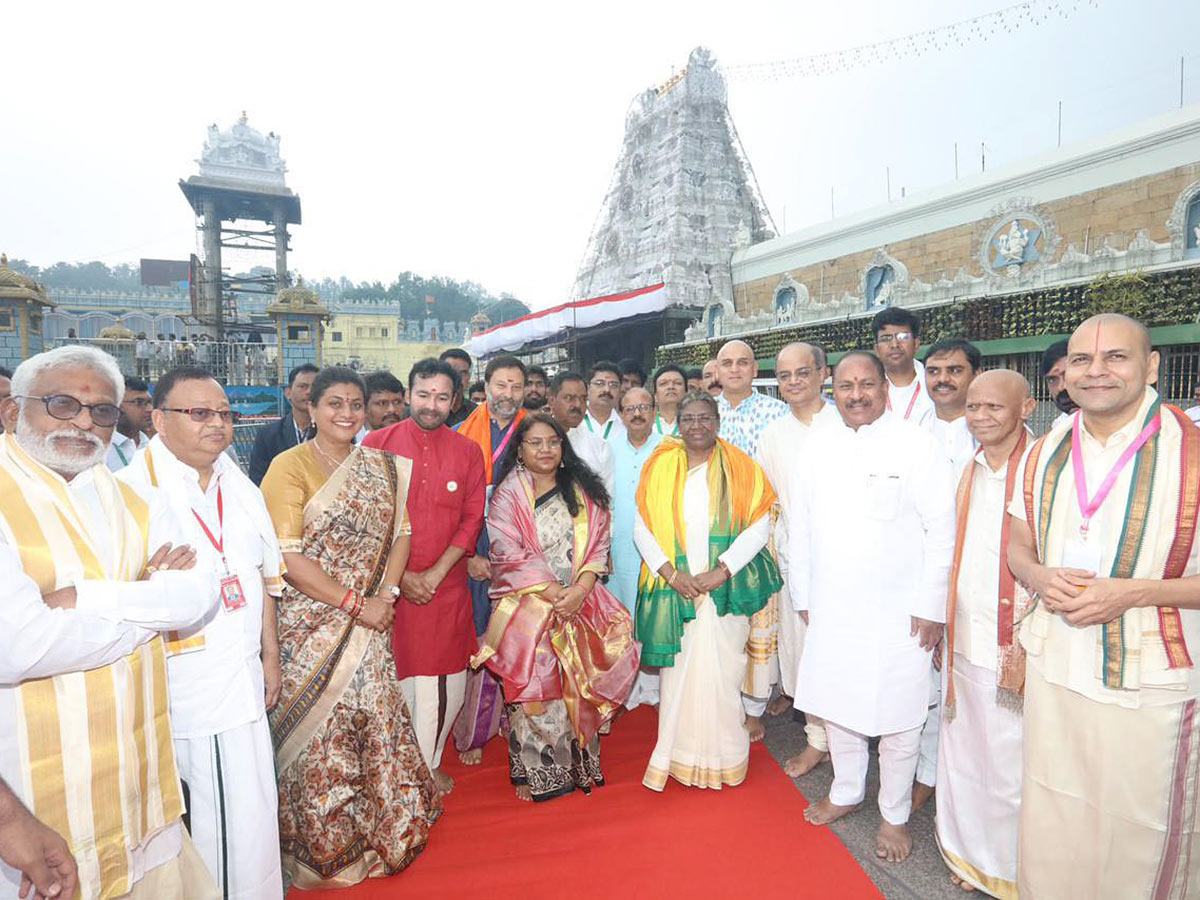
901 403
596 452
220 686
956 438
613 428
121 449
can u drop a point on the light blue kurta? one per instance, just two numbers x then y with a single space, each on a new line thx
627 465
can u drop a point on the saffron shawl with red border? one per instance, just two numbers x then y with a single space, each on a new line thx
1012 600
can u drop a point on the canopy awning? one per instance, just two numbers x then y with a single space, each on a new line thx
547 323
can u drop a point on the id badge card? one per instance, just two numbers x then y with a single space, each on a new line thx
1081 554
231 593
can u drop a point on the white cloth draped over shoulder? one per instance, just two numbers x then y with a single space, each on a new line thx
871 539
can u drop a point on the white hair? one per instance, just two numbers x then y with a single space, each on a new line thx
73 355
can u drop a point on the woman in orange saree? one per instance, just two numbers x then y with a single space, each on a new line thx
561 644
356 799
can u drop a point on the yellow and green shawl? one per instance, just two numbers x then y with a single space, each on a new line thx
739 495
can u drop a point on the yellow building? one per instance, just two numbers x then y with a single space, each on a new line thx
369 343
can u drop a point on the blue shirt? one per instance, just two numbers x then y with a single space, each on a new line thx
627 562
743 425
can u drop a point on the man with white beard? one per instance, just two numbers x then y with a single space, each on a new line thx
83 703
871 533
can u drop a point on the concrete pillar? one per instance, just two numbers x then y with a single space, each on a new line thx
281 248
210 295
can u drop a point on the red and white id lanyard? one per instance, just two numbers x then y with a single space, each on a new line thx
911 403
231 589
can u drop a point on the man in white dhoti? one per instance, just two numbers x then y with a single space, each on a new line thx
1106 540
950 366
745 412
897 339
568 404
702 527
871 532
801 370
225 673
979 752
85 739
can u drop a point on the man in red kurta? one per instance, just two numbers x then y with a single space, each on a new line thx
433 635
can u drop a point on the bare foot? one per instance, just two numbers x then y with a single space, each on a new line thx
524 793
445 784
804 762
780 705
921 795
471 757
965 885
754 725
825 811
893 842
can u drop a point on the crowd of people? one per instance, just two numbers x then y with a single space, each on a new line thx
219 684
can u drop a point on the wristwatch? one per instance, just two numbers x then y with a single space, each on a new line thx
393 589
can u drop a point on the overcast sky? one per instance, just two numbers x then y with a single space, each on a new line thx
476 140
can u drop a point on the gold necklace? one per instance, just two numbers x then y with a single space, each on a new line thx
329 459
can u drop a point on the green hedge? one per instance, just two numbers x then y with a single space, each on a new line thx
1161 298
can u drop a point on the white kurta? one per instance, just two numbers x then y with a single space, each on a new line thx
871 538
702 740
778 448
595 452
957 441
218 712
901 403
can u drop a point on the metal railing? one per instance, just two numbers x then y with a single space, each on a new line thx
229 362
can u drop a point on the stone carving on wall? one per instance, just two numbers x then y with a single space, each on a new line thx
1022 237
1105 255
1177 225
881 279
790 298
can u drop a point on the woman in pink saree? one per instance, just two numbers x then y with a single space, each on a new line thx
561 644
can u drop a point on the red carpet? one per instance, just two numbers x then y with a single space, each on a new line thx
624 840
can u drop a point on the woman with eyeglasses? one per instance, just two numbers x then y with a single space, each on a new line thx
703 519
356 799
561 643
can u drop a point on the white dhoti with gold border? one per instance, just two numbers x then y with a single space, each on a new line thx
702 737
979 784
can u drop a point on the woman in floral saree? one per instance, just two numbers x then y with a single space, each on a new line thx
356 799
559 641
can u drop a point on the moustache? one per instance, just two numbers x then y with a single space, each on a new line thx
943 384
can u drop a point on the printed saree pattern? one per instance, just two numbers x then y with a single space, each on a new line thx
356 799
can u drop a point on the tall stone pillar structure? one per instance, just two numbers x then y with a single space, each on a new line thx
23 303
300 318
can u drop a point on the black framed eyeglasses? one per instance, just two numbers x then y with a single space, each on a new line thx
66 407
201 415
